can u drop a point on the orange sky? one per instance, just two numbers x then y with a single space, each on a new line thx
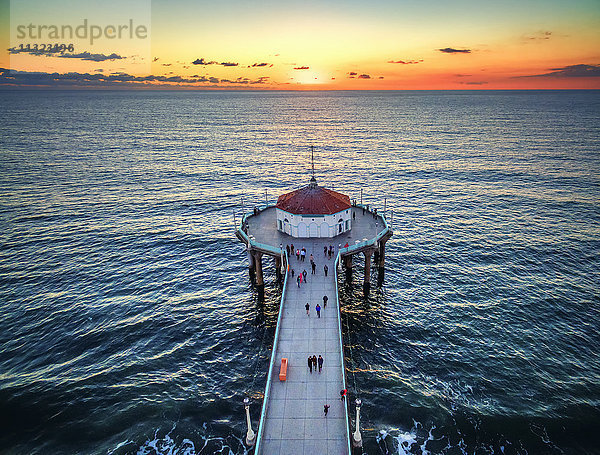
311 45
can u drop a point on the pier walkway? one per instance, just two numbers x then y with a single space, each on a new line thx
294 422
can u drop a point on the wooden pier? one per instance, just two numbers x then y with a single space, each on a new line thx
292 418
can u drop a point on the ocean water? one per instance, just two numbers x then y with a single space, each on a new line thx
128 324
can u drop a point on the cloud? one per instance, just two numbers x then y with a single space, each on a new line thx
473 82
28 79
451 50
541 35
201 61
81 55
352 73
166 64
155 59
258 65
364 76
229 64
302 68
406 62
580 70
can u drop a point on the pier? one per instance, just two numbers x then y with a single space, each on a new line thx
292 418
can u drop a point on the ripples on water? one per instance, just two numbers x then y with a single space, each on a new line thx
128 324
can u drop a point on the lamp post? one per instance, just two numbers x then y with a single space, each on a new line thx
250 436
356 437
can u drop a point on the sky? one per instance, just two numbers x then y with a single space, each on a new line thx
308 45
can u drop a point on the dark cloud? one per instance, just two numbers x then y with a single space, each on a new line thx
451 50
81 55
28 79
155 59
406 62
352 73
364 76
201 61
302 68
166 64
473 83
381 77
229 64
258 65
571 71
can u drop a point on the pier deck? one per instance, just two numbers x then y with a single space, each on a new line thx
292 419
294 422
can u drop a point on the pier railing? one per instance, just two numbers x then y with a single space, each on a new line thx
263 411
277 251
251 242
369 242
339 316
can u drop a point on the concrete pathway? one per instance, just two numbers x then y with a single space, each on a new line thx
294 422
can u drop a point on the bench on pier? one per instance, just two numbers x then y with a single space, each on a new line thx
283 369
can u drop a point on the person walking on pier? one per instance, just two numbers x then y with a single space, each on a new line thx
320 362
326 409
314 268
287 250
303 254
304 274
325 299
325 250
292 248
298 279
325 269
310 364
312 259
307 306
314 362
343 393
297 255
318 308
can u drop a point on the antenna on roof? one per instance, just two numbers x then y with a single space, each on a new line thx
313 180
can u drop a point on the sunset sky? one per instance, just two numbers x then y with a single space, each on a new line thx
345 45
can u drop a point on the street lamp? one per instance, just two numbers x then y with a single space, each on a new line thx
356 437
250 436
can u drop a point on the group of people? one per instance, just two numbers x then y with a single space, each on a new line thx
301 277
313 362
317 307
301 256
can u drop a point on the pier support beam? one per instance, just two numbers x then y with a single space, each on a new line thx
260 284
278 268
348 266
251 266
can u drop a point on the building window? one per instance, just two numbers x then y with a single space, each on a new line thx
280 225
347 225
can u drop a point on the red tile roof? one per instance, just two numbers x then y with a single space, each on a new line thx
313 200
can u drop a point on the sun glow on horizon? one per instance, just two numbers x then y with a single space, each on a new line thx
342 45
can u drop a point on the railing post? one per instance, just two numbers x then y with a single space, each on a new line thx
356 437
250 435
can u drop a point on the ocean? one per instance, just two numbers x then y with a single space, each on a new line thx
128 324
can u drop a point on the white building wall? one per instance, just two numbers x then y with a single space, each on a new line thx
322 226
